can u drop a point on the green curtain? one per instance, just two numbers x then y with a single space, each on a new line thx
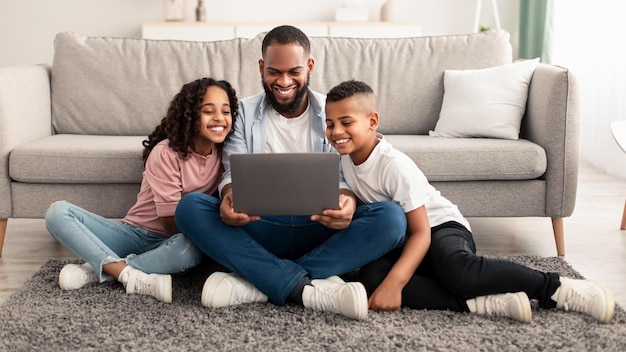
532 28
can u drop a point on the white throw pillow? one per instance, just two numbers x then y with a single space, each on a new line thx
487 103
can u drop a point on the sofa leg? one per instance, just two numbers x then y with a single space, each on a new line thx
559 236
623 226
3 229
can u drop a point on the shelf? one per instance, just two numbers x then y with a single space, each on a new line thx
203 31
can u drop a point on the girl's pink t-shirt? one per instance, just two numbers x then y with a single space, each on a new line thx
166 179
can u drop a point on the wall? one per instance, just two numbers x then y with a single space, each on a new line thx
28 27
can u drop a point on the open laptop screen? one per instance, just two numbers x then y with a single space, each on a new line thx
285 183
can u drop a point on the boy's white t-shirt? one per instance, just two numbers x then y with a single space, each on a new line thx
390 175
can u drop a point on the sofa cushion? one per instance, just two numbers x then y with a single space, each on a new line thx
121 86
117 159
473 159
66 158
489 102
406 74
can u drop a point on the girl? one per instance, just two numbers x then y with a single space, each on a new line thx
182 155
437 267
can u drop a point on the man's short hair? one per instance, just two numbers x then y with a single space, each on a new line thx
286 35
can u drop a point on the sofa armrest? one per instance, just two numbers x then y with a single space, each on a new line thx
552 121
25 115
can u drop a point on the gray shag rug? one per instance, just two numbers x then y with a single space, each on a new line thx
42 317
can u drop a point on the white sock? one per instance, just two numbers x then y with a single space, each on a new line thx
124 274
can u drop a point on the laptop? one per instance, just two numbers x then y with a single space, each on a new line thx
285 183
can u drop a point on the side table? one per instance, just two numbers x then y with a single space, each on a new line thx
618 129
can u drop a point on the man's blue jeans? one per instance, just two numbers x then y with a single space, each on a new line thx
275 253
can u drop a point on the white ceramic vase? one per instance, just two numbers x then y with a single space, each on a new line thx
389 11
174 10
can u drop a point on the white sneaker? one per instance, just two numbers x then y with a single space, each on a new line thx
336 279
229 289
511 305
586 297
74 276
333 295
158 286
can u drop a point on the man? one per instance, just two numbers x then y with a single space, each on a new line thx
287 258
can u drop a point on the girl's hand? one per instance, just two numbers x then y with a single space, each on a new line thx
228 214
385 298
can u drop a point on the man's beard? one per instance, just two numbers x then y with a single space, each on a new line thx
290 108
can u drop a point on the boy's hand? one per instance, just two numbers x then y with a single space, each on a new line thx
338 219
228 214
388 295
385 298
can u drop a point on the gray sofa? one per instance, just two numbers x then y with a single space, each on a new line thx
73 130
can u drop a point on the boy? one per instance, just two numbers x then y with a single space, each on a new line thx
437 267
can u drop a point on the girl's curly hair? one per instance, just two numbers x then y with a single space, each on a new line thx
181 124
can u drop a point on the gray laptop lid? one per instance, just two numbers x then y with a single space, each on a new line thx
285 183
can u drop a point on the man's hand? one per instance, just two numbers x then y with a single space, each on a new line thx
227 212
341 218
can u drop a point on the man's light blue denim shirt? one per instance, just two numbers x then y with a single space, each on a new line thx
250 129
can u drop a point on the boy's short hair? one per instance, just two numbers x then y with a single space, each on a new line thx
348 89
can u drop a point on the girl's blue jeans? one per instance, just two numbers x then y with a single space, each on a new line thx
101 241
276 252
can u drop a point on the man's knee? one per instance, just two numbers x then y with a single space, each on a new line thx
192 203
389 213
396 217
188 202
